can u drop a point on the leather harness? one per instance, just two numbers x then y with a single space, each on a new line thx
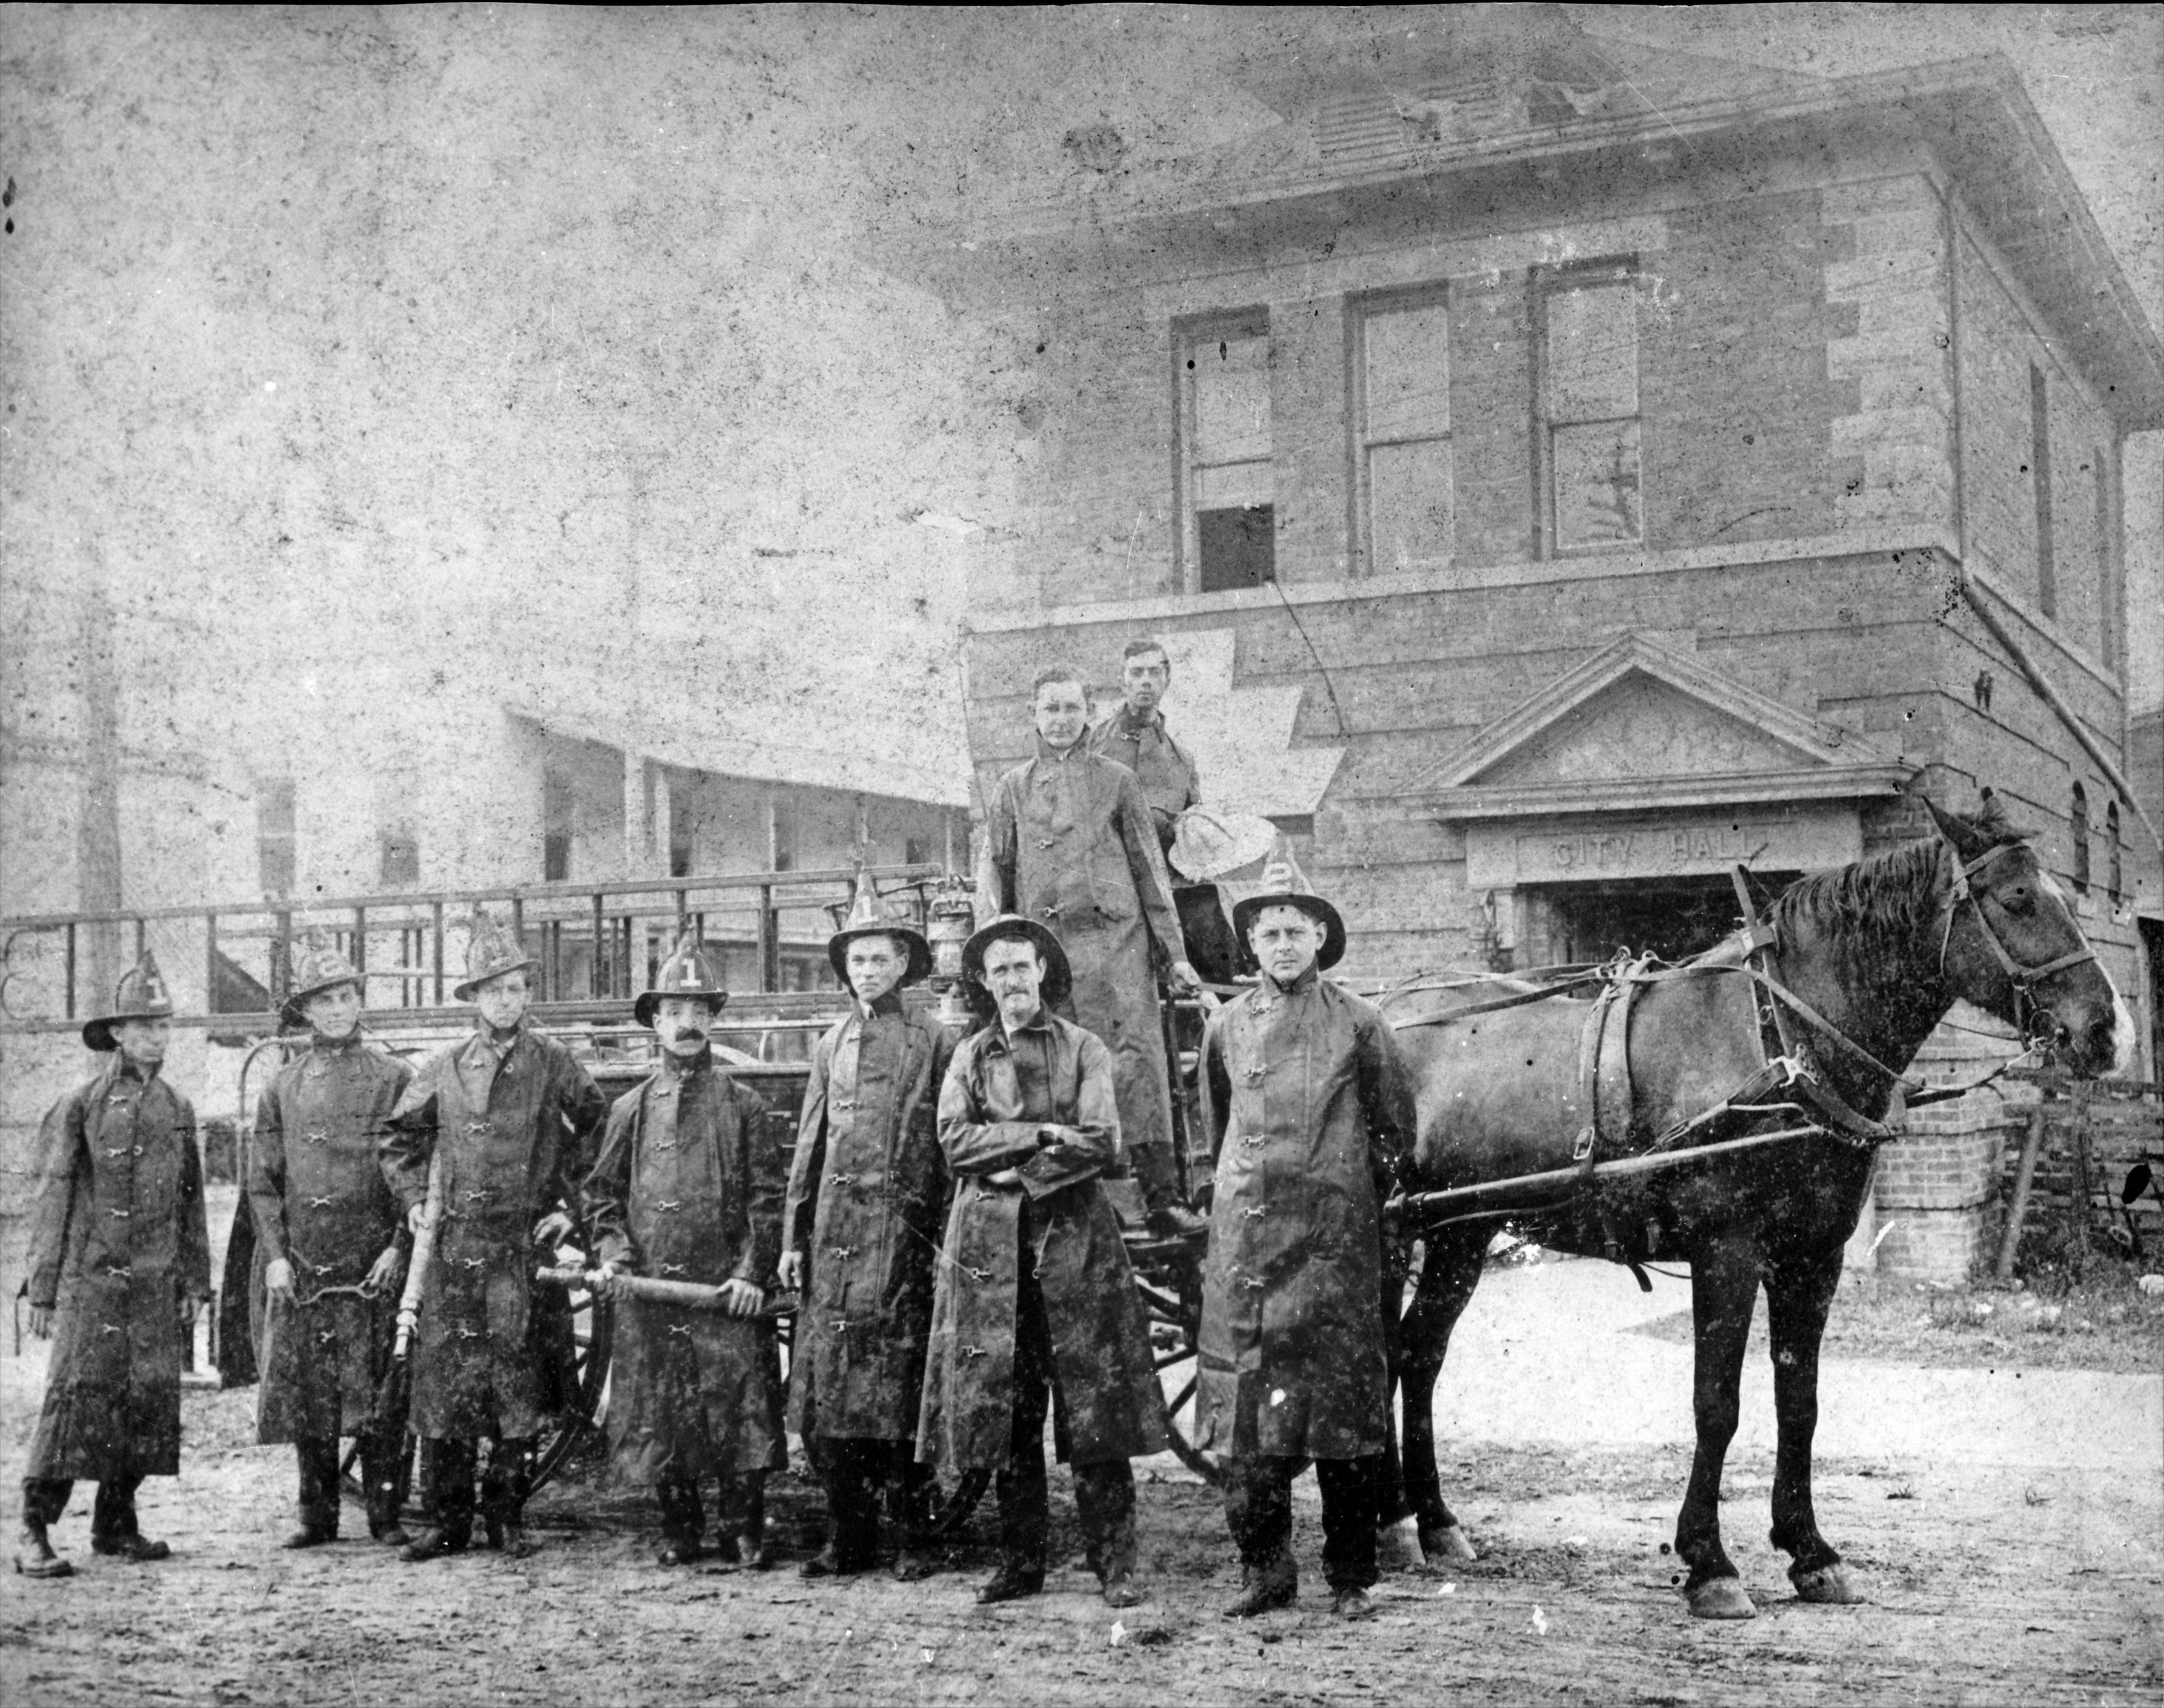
1789 1075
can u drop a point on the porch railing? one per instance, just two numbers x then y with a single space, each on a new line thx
597 944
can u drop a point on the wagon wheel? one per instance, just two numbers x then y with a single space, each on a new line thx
582 1377
1169 1276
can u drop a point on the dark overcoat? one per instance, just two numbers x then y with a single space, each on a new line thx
1310 1110
867 1187
1110 1406
116 1237
517 1127
316 1193
1070 843
689 1188
1171 782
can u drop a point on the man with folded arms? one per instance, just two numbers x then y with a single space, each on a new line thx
1036 1300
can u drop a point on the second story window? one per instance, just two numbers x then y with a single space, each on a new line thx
1589 409
2078 822
2114 863
555 827
1229 513
1407 502
274 835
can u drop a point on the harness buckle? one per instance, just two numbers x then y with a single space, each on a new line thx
1582 1148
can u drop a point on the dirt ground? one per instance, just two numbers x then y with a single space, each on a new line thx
2016 1583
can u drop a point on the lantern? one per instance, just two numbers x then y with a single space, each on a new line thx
951 917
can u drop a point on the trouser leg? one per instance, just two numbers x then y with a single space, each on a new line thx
1348 1522
1025 1514
683 1517
113 1516
743 1498
447 1487
385 1469
908 1491
44 1499
317 1458
509 1480
852 1469
1258 1508
1104 1500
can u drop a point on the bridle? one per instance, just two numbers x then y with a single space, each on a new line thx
2024 978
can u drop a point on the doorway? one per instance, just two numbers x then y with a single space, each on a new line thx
1674 918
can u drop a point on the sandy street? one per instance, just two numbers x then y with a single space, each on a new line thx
2006 1532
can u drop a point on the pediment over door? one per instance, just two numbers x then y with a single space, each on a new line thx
1639 726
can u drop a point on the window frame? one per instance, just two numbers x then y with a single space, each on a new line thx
1547 283
1249 322
1361 442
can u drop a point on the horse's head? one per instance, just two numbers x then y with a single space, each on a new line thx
2009 942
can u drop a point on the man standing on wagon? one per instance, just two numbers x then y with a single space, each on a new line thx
1070 843
1036 1300
1136 737
689 1188
333 1245
119 1263
1310 1110
501 1125
860 1234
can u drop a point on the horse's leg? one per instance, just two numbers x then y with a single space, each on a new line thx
1452 1270
1798 1296
1398 1543
1723 1291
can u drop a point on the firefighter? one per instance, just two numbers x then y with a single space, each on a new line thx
688 1189
860 1237
1035 1299
333 1244
1070 843
1135 735
119 1263
507 1120
1310 1110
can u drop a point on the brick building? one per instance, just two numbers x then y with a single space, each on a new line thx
1603 452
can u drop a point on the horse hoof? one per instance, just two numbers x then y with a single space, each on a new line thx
1720 1598
1828 1585
1399 1545
1450 1543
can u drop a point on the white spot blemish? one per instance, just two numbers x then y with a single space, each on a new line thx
1277 1396
269 384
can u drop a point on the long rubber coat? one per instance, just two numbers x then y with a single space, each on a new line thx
1310 1110
516 1132
117 1235
1110 1405
317 1196
1070 843
689 1188
867 1186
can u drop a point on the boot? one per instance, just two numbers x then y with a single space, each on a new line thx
1263 1587
434 1543
512 1539
829 1562
1011 1583
1121 1591
35 1556
1166 1217
136 1548
307 1536
1352 1602
911 1566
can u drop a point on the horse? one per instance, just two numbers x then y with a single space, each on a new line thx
1813 1017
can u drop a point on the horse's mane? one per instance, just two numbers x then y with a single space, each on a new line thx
1864 909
